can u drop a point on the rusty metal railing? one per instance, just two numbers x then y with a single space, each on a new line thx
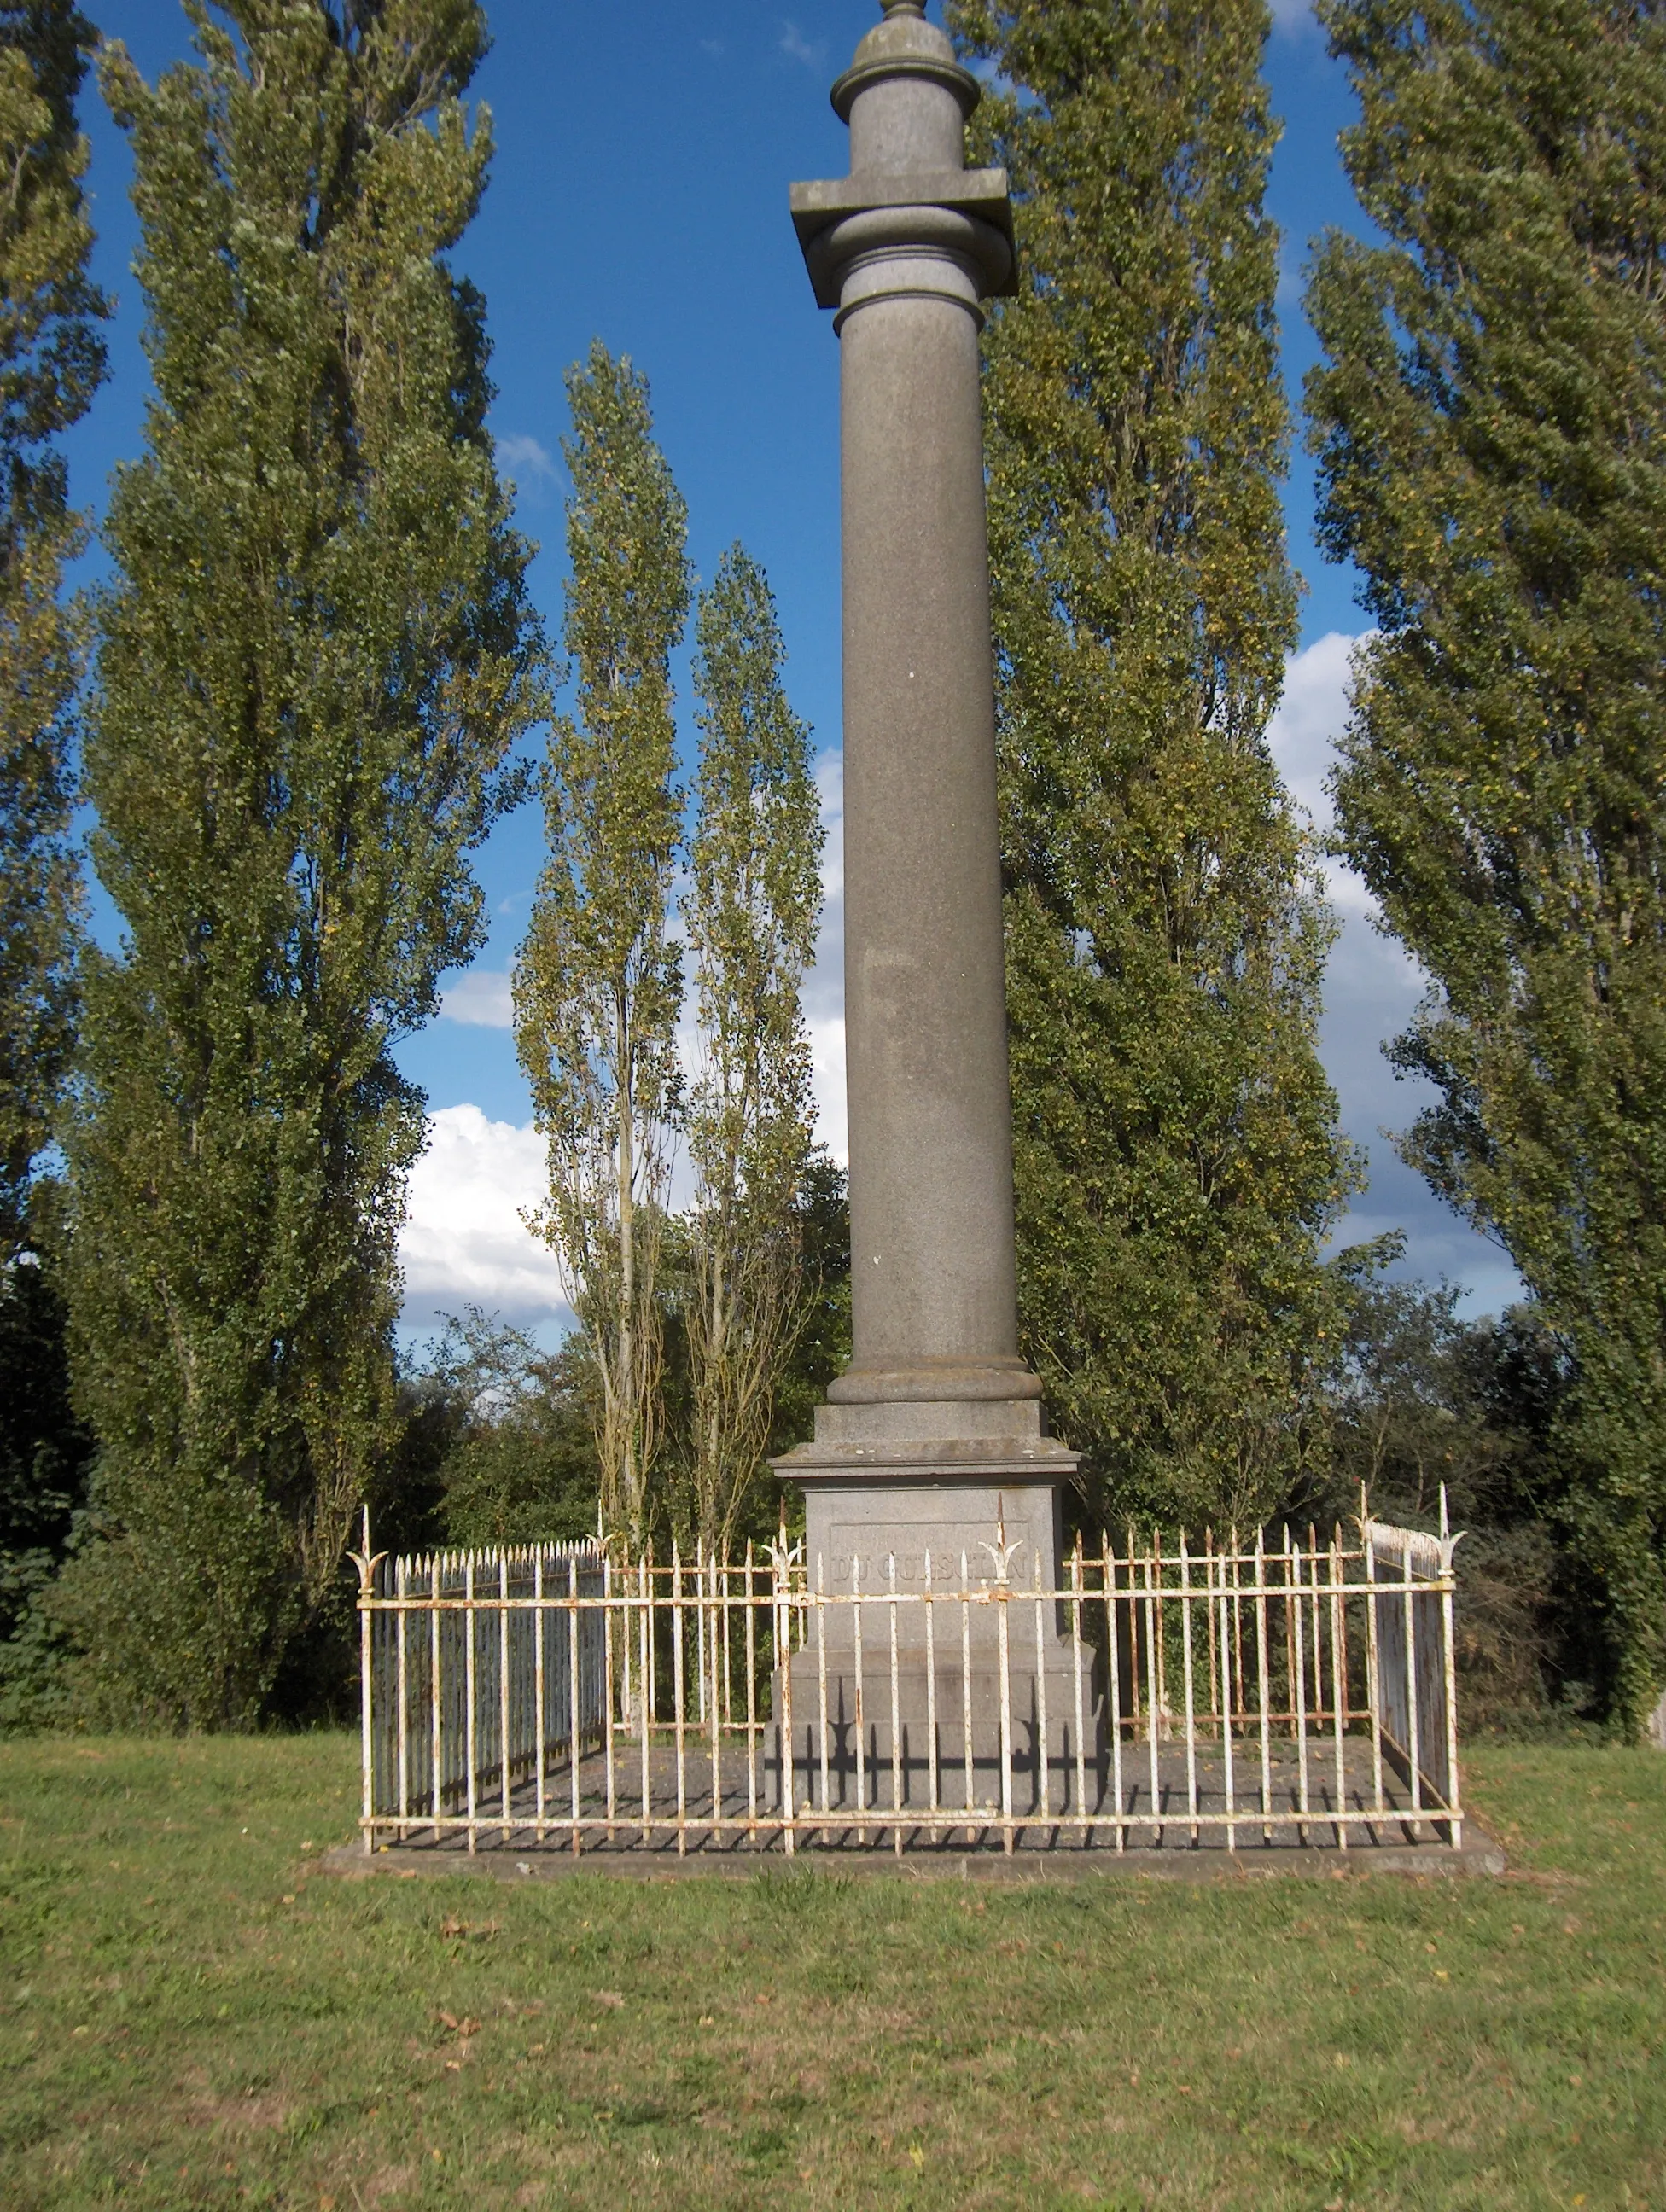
1286 1691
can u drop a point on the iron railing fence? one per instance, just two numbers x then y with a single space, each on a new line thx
452 1708
1287 1691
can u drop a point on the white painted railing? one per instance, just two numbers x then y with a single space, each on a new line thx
1282 1692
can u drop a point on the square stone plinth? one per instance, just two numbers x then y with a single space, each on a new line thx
897 1692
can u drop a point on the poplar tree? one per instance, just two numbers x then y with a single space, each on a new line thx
752 915
1489 418
315 657
52 358
599 983
1177 1161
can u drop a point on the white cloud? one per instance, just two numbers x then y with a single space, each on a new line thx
824 986
525 462
1371 990
480 997
465 1241
797 48
1312 715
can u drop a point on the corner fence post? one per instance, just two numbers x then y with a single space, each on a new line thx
366 1562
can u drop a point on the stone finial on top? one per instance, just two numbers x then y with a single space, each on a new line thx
907 100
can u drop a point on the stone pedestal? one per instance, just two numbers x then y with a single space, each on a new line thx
935 1431
930 1675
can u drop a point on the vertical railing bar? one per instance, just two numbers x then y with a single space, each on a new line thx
1449 1655
1296 1575
700 1626
503 1685
1288 1556
1042 1769
821 1679
728 1650
1076 1664
435 1746
574 1718
784 1651
1228 1627
750 1640
862 1716
1187 1670
1113 1649
678 1696
1263 1690
1164 1709
650 1684
895 1724
400 1591
966 1695
931 1702
540 1695
1373 1662
366 1694
1449 1673
645 1668
1134 1615
1338 1683
1152 1679
609 1685
1413 1732
1003 1647
468 1732
716 1712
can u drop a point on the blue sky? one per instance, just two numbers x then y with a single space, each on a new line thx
638 193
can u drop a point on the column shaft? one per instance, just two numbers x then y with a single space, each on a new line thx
931 1164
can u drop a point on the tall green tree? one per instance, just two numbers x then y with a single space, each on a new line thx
1178 1164
52 358
599 983
1489 420
316 655
752 915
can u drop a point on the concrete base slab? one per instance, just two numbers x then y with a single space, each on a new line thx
1479 1855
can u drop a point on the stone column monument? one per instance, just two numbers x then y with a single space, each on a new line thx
934 1434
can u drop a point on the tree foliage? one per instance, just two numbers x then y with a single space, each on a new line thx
598 982
1177 1161
522 1467
1426 1404
44 1457
315 656
1489 418
752 915
52 358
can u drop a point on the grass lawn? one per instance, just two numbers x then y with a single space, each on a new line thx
187 2018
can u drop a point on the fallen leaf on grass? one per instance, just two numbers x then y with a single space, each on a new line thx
464 2028
609 1997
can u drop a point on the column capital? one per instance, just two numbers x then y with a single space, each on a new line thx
838 218
910 198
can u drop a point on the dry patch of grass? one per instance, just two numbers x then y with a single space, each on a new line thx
189 2017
